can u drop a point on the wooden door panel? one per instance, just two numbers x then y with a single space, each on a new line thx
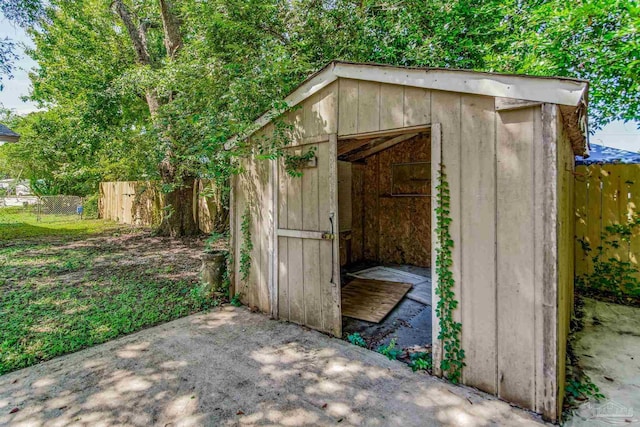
308 283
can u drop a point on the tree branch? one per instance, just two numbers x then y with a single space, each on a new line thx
136 34
138 37
171 26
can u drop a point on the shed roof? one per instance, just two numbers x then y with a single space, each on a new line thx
570 94
7 135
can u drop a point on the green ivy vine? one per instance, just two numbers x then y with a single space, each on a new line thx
247 245
278 144
453 358
293 163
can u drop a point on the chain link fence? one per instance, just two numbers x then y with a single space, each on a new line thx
43 208
52 208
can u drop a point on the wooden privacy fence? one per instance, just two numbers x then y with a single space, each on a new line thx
605 196
140 203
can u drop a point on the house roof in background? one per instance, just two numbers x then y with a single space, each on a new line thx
7 135
599 154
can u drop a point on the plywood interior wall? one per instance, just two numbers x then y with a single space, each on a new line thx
345 183
365 106
392 229
357 212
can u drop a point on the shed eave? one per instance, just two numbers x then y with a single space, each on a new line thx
552 90
9 138
313 84
548 89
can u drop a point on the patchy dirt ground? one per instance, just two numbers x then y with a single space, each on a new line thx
141 252
230 367
124 250
61 293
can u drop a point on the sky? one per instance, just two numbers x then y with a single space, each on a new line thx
20 84
625 136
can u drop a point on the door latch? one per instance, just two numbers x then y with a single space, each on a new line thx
328 236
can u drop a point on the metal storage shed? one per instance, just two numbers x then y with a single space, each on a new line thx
507 143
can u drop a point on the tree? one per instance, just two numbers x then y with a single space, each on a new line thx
178 179
168 83
61 153
597 40
91 130
22 13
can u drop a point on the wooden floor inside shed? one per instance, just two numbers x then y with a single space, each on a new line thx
409 322
372 299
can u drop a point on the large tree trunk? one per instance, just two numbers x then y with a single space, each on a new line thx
171 27
178 207
213 206
179 217
138 37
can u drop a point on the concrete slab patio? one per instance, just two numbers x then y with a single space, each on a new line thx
608 350
232 367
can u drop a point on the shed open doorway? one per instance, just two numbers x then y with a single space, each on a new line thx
384 200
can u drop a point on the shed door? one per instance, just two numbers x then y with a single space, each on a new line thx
307 257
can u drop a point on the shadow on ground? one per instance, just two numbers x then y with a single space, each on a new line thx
61 295
233 367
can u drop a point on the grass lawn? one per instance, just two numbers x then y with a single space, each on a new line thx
16 223
71 284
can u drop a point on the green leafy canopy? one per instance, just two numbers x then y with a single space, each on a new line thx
239 58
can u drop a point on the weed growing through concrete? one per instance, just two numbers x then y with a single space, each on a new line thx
421 361
390 350
356 339
580 389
